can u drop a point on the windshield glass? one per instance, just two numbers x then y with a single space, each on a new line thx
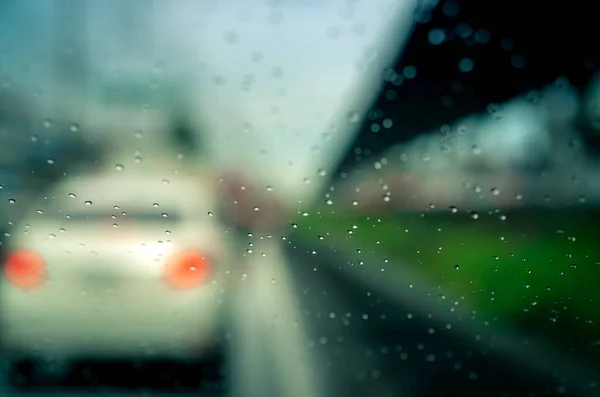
299 198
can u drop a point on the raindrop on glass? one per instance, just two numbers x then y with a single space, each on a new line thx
353 117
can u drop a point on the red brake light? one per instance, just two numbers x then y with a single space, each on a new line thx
187 270
25 269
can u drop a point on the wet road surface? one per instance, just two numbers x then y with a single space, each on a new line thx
304 324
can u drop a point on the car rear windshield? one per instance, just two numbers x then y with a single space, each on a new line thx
123 216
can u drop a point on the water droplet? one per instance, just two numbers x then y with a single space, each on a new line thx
40 211
165 181
231 37
62 230
466 65
47 123
88 202
72 195
476 149
560 273
353 117
322 172
295 225
50 161
256 209
453 209
120 167
117 207
210 214
74 127
167 232
164 215
329 202
115 225
354 203
495 191
436 36
52 235
12 201
155 205
269 188
474 215
138 133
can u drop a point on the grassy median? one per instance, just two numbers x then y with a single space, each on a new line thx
537 269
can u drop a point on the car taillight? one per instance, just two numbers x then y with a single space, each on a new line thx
25 269
187 270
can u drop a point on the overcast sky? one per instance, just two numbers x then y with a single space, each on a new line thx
273 80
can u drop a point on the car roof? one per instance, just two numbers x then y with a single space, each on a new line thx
126 189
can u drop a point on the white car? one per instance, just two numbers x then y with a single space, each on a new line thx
116 265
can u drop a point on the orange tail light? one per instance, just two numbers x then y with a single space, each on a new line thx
187 270
25 269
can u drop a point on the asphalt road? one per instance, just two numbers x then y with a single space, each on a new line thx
397 341
305 325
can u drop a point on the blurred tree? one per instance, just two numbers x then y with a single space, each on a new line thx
184 137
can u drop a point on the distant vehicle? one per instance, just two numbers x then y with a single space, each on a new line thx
116 265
